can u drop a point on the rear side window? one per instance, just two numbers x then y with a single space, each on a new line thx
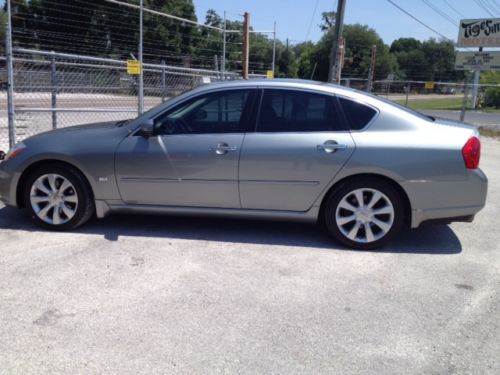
297 111
358 115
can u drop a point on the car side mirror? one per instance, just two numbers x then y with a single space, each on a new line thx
148 128
2 155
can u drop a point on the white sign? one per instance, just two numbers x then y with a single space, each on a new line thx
478 60
483 32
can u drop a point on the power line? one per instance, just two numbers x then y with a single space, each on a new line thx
164 14
484 7
453 8
419 21
440 12
493 5
312 19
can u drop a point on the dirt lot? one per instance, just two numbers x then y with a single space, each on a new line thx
147 294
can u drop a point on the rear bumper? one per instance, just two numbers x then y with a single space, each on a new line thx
448 201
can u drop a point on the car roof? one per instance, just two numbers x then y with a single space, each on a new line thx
285 83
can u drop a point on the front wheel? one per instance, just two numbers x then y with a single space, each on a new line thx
58 197
364 214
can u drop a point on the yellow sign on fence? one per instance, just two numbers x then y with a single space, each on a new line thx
429 85
269 74
133 67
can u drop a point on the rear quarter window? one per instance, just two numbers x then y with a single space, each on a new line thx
358 115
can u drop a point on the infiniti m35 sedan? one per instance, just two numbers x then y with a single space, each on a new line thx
266 149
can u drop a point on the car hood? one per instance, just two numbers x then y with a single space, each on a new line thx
93 127
87 136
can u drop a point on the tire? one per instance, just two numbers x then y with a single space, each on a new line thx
56 209
367 226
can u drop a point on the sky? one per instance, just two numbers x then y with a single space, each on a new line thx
293 17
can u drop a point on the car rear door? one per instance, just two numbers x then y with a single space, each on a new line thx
300 143
193 158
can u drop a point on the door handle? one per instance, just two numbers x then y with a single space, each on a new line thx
331 146
222 148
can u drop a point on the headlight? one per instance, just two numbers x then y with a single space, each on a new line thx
15 151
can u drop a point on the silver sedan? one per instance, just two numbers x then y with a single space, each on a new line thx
270 149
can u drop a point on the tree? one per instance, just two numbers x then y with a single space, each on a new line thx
327 21
410 58
305 61
3 22
359 40
425 61
440 59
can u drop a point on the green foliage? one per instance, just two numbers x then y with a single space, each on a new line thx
96 27
327 21
491 94
3 22
431 60
359 41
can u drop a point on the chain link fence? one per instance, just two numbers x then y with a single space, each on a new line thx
422 95
53 90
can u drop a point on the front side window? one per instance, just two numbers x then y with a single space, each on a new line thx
220 112
297 111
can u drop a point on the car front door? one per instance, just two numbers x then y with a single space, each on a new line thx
192 160
301 142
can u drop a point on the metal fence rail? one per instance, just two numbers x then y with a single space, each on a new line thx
54 90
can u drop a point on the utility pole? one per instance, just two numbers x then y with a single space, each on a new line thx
10 78
141 73
371 72
475 86
223 60
274 49
339 27
246 43
340 60
287 71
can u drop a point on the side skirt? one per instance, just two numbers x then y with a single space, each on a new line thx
104 208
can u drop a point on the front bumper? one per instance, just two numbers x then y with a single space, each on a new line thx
7 185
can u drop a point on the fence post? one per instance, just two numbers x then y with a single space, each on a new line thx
163 85
53 85
464 103
408 88
140 106
10 78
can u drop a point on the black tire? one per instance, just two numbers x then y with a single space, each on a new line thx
391 196
85 207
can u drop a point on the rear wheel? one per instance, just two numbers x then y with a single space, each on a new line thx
364 214
58 197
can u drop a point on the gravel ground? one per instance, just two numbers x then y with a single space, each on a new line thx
148 294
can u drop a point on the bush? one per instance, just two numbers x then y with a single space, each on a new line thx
492 97
491 94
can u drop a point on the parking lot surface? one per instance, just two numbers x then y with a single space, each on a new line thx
152 294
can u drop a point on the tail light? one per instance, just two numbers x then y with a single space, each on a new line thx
471 153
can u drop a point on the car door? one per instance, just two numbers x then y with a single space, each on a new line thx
300 143
192 160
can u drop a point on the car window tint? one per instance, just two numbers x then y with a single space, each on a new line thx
211 113
296 111
358 115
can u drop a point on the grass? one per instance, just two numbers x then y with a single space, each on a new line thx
489 132
443 104
447 104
